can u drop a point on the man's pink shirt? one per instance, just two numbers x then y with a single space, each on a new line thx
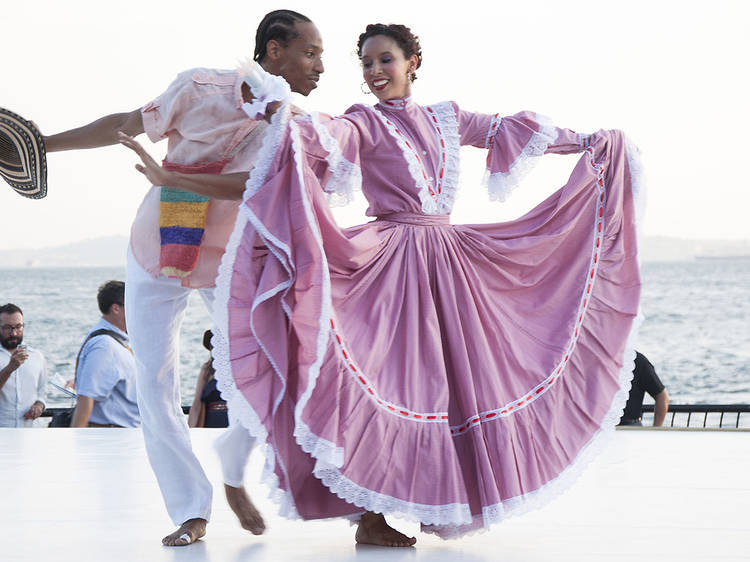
201 116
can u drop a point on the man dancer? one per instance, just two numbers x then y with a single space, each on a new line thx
176 234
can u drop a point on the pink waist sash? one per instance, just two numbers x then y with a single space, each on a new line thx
416 219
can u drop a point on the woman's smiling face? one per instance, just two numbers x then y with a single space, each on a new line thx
385 68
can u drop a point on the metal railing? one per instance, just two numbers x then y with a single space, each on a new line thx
728 414
49 412
732 413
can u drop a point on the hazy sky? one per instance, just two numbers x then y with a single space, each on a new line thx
672 74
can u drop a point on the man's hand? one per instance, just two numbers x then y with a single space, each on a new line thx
217 186
35 411
17 358
150 167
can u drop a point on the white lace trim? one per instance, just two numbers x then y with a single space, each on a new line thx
347 490
396 104
541 497
270 145
445 114
311 443
562 483
427 200
638 180
533 394
346 176
501 184
266 88
239 408
447 521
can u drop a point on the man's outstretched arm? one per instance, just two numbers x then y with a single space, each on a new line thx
101 132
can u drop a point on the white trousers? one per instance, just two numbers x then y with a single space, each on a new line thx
154 310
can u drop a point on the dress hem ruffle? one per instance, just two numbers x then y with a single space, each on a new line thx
449 521
239 409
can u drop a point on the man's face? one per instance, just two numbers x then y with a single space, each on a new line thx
300 62
11 330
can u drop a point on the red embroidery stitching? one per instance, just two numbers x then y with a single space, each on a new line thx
540 389
419 159
437 417
535 393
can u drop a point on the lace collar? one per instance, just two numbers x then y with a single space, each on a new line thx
397 103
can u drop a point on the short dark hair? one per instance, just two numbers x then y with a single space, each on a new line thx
111 292
10 308
407 41
279 26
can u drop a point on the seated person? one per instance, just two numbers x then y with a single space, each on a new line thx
105 367
208 409
645 380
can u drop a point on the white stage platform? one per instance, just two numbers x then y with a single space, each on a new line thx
656 495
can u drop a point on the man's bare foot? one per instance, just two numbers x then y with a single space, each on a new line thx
373 529
189 532
243 508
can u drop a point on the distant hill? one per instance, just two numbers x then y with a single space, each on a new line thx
95 252
663 248
111 251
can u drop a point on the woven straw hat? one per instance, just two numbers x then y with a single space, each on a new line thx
23 163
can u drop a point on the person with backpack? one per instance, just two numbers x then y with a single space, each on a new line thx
105 367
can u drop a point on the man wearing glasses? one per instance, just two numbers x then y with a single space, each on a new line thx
23 376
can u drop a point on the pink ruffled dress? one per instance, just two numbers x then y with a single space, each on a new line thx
450 374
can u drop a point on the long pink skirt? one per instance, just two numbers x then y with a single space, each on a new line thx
451 374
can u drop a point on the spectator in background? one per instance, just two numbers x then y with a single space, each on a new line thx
645 380
23 375
105 367
208 409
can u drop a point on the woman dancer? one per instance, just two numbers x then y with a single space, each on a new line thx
450 374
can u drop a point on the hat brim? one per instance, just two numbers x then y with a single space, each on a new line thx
23 159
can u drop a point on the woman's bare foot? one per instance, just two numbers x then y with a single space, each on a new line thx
189 532
243 508
373 529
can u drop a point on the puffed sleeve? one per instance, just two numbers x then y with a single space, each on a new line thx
331 147
514 144
161 115
334 142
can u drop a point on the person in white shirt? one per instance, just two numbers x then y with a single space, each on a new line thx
105 367
23 373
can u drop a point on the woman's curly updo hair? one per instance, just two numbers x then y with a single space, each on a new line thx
408 42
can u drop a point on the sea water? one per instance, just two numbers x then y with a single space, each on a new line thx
696 328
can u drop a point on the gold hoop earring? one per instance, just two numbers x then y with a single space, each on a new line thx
364 88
